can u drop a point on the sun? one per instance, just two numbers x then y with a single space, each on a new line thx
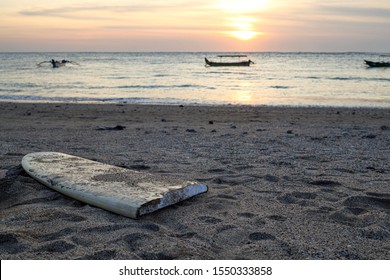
243 28
243 35
240 20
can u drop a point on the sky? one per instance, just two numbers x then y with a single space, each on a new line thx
195 25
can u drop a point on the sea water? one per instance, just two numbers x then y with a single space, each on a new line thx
287 79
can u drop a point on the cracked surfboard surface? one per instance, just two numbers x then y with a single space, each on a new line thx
126 192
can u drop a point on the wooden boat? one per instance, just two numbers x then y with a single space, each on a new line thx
377 63
56 63
236 63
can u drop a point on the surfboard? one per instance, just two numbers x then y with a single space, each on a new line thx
120 190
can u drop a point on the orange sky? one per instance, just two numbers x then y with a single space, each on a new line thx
195 25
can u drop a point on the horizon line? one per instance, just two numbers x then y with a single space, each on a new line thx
86 51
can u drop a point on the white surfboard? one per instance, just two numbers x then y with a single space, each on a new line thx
116 189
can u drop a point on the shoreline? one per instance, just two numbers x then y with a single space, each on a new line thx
120 103
284 182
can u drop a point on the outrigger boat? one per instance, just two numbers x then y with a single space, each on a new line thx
377 63
237 63
56 63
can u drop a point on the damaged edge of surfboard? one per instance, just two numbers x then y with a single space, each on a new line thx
171 197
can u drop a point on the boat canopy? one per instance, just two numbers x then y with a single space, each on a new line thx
233 55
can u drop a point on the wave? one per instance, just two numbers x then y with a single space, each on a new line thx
360 79
44 98
163 86
340 78
138 100
162 75
313 77
119 78
280 87
24 85
344 78
228 72
10 90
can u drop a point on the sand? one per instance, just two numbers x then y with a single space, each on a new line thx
284 183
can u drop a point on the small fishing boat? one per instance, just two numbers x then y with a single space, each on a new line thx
377 63
57 63
228 63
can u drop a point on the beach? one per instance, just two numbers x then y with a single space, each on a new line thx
284 182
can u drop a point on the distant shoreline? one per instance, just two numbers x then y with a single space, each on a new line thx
123 103
211 52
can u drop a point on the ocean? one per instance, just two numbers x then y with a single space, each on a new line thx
276 79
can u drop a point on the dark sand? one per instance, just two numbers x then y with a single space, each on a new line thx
284 183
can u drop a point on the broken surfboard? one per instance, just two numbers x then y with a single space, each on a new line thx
126 192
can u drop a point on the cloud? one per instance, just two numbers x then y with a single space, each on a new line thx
80 11
147 7
361 12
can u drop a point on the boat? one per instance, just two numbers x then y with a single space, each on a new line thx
234 63
377 63
57 63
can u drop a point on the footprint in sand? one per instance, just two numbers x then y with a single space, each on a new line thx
258 236
225 227
376 233
209 220
246 215
357 210
59 246
325 183
301 198
186 235
217 170
9 244
350 217
278 218
151 227
132 239
234 180
369 202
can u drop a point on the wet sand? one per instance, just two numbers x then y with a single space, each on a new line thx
284 183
